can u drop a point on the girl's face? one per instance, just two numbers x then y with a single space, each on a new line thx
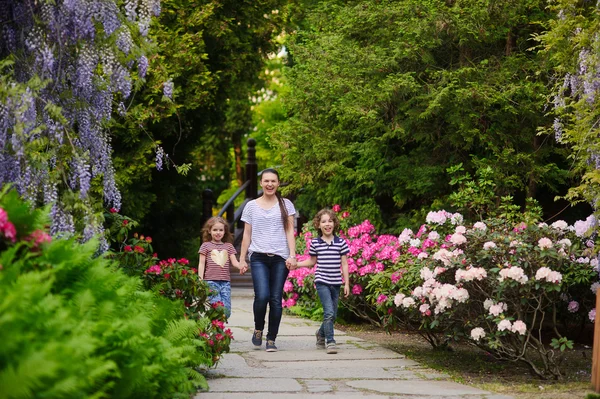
326 225
269 183
217 231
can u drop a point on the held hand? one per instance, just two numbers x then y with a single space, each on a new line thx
243 266
346 290
291 263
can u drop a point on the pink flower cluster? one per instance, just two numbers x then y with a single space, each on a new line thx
470 274
7 229
514 273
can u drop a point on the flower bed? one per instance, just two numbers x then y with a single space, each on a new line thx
511 289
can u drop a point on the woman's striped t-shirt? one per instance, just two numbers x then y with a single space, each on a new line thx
329 259
268 234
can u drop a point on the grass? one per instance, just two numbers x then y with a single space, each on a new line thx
469 365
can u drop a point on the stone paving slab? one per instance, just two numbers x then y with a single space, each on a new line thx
395 387
299 370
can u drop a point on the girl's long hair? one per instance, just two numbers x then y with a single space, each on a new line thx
282 207
206 237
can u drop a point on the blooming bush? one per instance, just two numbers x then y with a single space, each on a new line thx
174 279
505 287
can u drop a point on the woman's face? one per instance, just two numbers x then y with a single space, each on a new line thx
269 183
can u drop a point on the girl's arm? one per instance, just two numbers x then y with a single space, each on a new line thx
310 262
201 266
246 238
345 275
291 241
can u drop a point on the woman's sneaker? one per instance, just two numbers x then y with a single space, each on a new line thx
331 348
257 338
320 340
271 346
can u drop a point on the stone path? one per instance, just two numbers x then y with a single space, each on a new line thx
360 369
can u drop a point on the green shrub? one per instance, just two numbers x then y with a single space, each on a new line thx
73 325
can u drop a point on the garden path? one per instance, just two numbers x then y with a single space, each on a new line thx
360 369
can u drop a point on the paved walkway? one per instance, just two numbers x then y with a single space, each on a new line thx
360 369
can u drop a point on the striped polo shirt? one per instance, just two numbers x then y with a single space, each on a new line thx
329 259
268 235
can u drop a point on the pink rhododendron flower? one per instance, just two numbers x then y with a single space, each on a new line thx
573 306
405 236
153 270
477 333
357 289
396 276
381 299
127 248
422 230
505 325
424 309
39 236
592 315
345 215
288 286
520 227
423 255
545 243
218 323
336 208
519 327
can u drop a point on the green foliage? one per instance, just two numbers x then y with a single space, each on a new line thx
73 325
384 96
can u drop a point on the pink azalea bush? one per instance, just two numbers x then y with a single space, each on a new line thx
498 285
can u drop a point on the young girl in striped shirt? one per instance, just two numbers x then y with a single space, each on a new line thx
329 252
216 254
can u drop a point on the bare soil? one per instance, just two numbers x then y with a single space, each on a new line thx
472 366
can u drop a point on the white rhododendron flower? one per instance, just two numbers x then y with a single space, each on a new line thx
560 225
514 273
498 309
408 302
458 239
480 226
545 243
595 287
460 229
477 333
564 243
489 245
487 303
415 242
399 298
433 236
504 325
405 236
544 273
519 327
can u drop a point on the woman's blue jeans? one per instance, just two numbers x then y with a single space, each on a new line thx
329 296
268 276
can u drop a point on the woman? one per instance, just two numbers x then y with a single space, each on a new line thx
269 240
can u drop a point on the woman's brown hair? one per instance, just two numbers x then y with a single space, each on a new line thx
332 215
206 237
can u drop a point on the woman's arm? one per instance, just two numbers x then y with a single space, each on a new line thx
246 238
345 275
201 266
291 241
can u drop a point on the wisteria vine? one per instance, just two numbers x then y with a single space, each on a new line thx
65 66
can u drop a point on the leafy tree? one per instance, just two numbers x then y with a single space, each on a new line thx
213 53
386 95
